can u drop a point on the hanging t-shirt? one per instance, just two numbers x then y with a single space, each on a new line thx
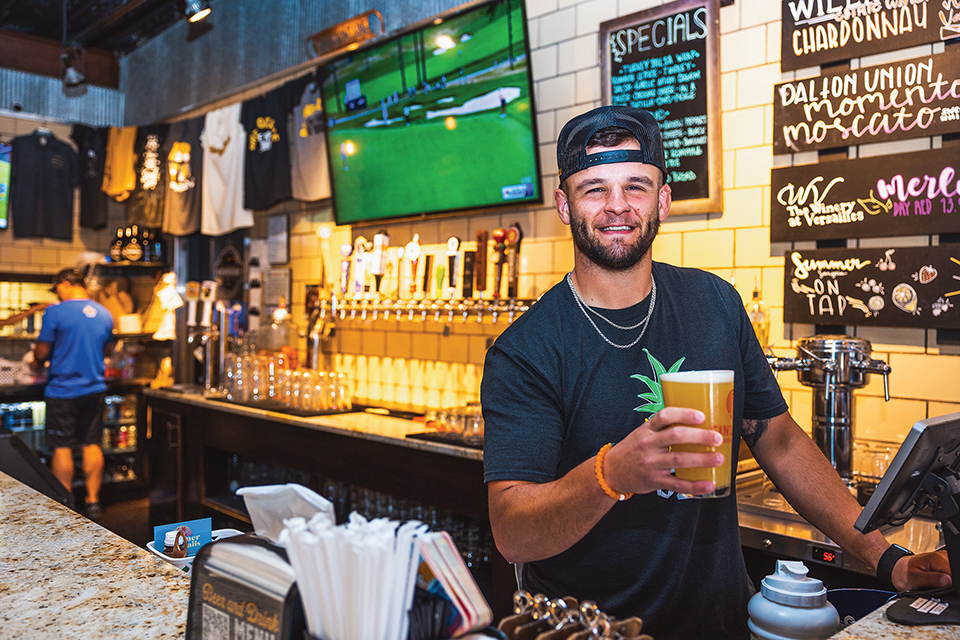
309 178
222 140
119 175
43 175
145 206
92 152
183 159
267 164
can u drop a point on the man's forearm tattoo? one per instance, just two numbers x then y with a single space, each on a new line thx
753 430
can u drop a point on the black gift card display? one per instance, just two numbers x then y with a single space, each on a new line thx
906 99
918 193
892 287
665 60
814 33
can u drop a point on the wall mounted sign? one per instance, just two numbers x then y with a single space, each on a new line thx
818 32
278 239
228 272
907 99
909 194
893 287
349 33
666 60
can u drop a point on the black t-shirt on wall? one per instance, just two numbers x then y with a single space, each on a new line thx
554 392
92 153
43 175
145 205
266 169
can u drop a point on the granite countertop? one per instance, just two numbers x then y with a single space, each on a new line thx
361 424
875 626
63 576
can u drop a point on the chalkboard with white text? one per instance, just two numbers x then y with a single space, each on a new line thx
912 98
816 32
907 194
888 287
665 60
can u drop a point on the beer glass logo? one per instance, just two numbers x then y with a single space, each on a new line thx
730 403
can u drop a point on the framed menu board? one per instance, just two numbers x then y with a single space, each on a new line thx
666 60
815 33
892 287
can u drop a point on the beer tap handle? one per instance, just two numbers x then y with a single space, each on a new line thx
876 366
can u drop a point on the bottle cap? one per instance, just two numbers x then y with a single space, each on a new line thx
790 585
170 539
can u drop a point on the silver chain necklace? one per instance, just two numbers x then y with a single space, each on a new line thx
586 309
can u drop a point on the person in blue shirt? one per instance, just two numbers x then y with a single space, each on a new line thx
74 337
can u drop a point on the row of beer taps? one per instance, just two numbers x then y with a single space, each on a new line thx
376 280
375 269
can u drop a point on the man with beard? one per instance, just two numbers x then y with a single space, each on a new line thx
577 446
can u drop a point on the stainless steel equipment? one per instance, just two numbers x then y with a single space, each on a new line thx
834 366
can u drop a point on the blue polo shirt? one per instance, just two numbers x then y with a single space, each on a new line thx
78 331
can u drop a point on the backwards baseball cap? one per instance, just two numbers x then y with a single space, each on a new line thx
572 143
70 275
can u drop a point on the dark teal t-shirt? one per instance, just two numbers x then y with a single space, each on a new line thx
79 331
554 392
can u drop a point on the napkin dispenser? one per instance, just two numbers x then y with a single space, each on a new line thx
244 587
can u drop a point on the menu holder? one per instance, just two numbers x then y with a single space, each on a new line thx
445 572
243 587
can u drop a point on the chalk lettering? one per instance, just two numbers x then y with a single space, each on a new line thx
803 268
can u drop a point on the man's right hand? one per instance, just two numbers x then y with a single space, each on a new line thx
641 462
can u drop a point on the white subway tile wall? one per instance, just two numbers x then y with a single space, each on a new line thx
448 359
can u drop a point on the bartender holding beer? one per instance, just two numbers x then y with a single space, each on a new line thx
579 448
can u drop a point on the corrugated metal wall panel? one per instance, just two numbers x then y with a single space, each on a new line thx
44 98
249 41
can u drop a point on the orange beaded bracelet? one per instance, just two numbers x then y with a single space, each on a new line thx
598 466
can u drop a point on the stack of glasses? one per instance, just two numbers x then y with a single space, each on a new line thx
262 378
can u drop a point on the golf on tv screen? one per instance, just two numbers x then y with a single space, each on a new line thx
4 182
437 119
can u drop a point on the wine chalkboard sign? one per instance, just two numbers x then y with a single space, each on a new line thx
907 99
894 287
666 60
815 33
908 194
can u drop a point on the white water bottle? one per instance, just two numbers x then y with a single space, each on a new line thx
791 606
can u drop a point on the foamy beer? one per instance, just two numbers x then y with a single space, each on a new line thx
712 393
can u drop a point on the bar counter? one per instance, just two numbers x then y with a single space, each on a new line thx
63 576
370 450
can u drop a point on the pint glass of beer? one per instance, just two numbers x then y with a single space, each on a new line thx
712 393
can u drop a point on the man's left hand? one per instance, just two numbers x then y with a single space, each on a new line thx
924 571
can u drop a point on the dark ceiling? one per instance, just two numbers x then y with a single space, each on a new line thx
119 26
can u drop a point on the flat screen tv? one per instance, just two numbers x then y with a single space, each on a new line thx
4 182
438 118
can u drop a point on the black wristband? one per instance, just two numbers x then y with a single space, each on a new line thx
888 560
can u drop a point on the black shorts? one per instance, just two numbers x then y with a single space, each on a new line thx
75 420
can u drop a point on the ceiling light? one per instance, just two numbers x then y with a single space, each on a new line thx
73 62
197 10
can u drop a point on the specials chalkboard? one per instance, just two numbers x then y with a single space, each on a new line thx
893 287
906 99
666 60
815 33
908 194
